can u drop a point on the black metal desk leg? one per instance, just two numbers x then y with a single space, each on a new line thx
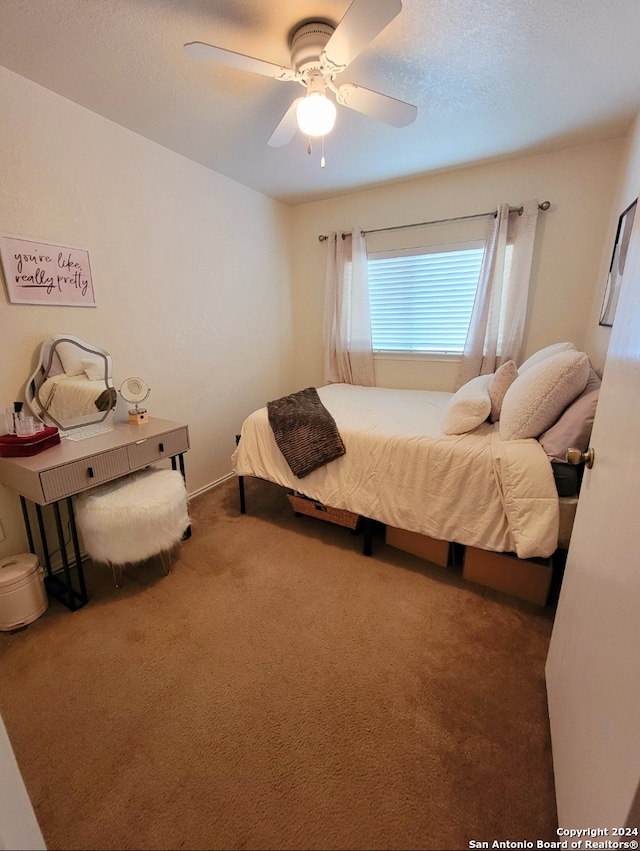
27 524
43 538
187 531
71 603
76 551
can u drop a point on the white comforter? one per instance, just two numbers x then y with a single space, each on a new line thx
401 469
66 397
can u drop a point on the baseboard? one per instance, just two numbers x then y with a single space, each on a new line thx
211 485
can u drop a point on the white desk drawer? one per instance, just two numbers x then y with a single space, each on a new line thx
160 446
72 478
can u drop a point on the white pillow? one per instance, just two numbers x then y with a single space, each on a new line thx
500 382
469 406
94 368
71 357
547 352
538 396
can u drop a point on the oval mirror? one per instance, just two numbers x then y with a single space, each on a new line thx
72 385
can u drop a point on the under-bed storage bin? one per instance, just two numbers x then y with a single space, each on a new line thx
431 549
528 579
304 505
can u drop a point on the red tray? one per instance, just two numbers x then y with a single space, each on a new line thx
12 445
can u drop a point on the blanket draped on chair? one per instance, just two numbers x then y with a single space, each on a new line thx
304 431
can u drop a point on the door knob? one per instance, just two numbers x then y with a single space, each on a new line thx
575 456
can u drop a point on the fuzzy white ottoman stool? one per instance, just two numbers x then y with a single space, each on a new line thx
134 518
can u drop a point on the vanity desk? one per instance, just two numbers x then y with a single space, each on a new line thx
54 476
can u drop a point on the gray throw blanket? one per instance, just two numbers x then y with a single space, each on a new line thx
304 431
106 400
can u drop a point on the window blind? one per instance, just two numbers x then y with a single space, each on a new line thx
423 302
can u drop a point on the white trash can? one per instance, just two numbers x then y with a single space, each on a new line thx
22 594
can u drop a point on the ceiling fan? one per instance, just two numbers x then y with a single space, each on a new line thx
319 53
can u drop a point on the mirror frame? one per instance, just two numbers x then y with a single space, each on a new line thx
47 357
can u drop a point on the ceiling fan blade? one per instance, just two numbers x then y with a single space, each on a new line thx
200 50
286 130
384 108
362 22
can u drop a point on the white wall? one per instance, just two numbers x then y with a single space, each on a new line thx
580 183
191 271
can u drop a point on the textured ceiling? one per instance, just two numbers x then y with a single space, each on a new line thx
490 78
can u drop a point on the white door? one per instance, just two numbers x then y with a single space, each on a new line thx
593 666
18 826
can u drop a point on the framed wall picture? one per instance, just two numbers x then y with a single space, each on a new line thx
46 273
616 268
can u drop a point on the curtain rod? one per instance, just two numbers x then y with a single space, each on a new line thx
543 206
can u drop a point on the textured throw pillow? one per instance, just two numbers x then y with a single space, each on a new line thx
573 428
538 396
593 381
94 368
500 382
71 357
547 352
469 406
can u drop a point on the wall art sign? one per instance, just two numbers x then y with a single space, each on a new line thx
46 273
618 260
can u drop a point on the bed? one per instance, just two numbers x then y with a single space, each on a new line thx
470 467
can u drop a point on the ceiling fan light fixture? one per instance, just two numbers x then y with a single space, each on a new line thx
316 114
320 51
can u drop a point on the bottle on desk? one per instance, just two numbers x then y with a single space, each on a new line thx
17 422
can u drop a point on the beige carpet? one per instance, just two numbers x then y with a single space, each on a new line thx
280 690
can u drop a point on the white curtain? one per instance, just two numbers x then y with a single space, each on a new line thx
348 355
499 311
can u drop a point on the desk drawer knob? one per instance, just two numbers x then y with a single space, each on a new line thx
161 447
90 472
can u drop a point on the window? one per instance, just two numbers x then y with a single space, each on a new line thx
421 298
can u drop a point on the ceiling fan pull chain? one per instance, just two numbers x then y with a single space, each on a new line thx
322 160
309 148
